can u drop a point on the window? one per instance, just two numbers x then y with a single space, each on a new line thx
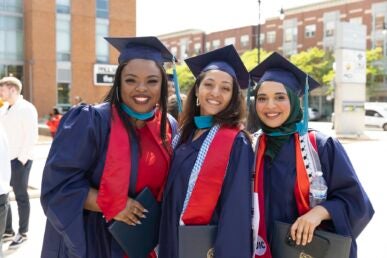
102 46
197 48
11 38
174 51
290 35
261 38
63 6
11 70
15 6
208 46
102 7
379 22
270 37
245 40
329 29
215 43
310 31
63 91
229 41
374 113
63 38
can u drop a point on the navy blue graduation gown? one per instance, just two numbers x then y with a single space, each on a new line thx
233 210
75 163
347 202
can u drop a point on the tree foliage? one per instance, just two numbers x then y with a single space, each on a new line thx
317 63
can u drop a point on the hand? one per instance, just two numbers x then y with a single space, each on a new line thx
302 230
132 213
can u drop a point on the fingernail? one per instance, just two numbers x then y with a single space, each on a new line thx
138 222
145 210
143 216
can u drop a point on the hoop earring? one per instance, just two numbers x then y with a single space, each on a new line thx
197 102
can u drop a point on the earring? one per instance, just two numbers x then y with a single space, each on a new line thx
197 102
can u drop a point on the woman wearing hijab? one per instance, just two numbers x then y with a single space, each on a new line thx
104 155
289 157
210 178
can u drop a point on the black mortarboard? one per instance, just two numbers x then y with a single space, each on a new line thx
170 77
277 68
225 59
150 48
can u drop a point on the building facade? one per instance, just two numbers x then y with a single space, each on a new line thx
299 29
56 48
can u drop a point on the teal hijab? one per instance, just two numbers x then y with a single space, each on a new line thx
274 143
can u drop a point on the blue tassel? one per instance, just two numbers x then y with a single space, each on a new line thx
302 127
177 88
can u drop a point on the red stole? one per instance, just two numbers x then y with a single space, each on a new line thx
114 185
208 186
301 191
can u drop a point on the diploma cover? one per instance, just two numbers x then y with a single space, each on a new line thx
324 244
197 241
138 241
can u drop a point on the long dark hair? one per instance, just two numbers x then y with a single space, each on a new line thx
231 116
114 98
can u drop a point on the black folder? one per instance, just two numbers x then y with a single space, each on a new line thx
138 241
324 244
197 241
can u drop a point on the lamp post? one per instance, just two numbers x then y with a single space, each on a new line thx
259 32
282 14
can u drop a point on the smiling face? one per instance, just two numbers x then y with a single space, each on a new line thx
141 82
214 92
273 104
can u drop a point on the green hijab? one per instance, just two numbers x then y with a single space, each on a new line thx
274 143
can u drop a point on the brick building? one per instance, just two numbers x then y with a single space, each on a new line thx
299 29
56 47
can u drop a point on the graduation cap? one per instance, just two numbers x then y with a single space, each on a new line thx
278 69
150 48
225 59
170 77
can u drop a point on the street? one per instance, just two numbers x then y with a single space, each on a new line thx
367 156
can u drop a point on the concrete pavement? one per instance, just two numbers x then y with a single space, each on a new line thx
368 156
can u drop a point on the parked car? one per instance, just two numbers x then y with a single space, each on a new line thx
313 114
375 116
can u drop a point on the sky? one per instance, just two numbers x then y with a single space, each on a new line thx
157 17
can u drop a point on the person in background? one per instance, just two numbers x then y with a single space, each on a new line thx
173 108
289 160
171 85
104 155
5 177
78 101
20 121
212 162
53 121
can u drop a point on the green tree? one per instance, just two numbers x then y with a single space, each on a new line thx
250 58
317 63
374 69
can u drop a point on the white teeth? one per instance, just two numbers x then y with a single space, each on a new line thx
214 102
272 114
141 99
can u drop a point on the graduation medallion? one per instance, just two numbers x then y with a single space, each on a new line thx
305 255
